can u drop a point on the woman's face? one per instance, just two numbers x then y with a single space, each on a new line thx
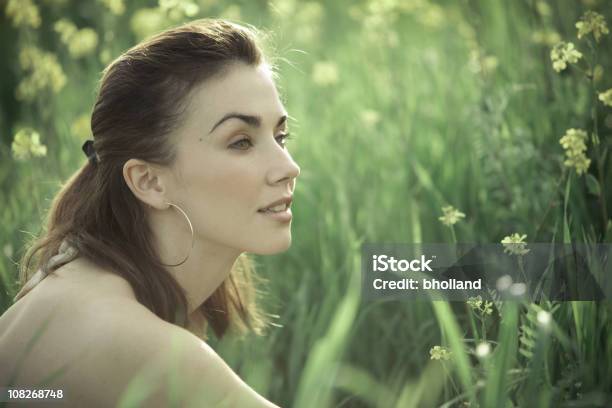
229 167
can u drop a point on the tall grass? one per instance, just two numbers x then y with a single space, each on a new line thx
434 103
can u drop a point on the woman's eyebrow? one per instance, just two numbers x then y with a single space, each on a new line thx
254 121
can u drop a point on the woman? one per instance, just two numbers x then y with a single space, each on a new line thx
145 245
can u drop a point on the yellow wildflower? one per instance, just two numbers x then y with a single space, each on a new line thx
26 144
475 302
451 215
370 117
580 162
487 308
484 307
606 97
574 143
44 72
564 53
178 9
80 42
592 22
23 13
432 16
83 43
543 8
574 140
479 62
66 29
105 56
325 73
439 353
597 73
378 19
116 7
546 37
147 21
515 245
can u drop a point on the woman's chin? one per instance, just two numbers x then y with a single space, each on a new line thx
271 248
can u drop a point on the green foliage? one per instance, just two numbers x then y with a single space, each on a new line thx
401 108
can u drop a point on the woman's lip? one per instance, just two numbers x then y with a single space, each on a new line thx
287 201
280 216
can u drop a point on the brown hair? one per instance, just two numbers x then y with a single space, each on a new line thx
142 98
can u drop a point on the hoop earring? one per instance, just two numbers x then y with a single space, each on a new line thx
192 235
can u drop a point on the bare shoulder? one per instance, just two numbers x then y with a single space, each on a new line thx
143 352
97 343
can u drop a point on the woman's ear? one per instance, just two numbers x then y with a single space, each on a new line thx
146 182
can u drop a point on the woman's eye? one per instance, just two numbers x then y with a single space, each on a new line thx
242 144
283 137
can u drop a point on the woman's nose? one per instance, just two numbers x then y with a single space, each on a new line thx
284 169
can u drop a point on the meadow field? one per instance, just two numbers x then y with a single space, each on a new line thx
414 121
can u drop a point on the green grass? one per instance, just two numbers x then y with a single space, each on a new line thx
451 132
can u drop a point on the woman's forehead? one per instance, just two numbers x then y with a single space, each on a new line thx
243 89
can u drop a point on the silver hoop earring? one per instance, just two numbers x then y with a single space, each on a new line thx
192 234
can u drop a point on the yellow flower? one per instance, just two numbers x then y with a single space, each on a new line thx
545 37
606 97
475 302
484 307
574 140
66 29
597 73
105 56
574 143
116 7
44 72
439 353
83 43
580 162
178 9
562 53
451 215
80 42
147 21
515 245
325 73
26 144
432 16
378 18
23 13
480 62
543 8
592 22
370 117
